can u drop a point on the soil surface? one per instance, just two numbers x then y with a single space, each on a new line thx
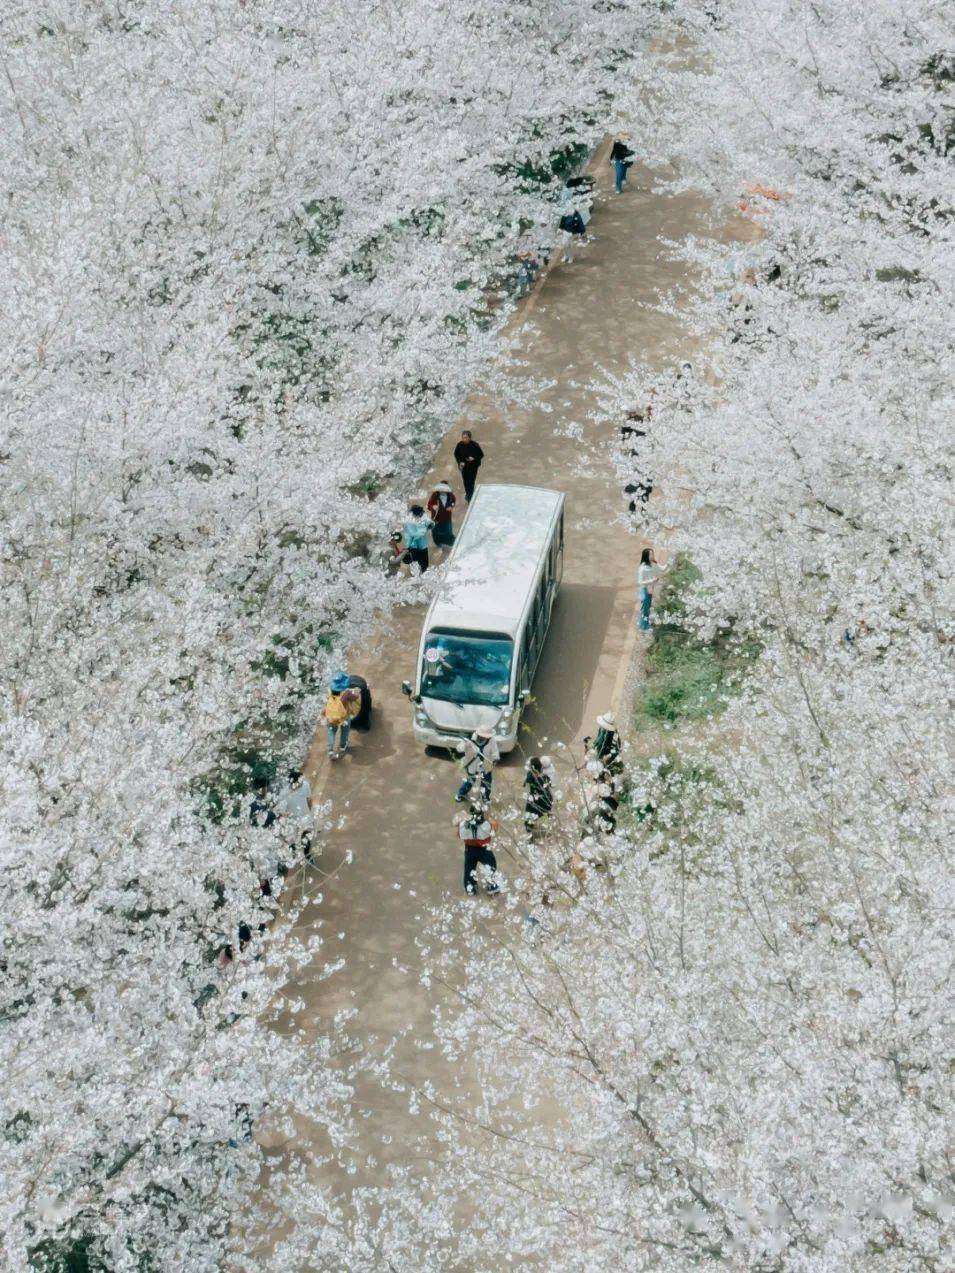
396 855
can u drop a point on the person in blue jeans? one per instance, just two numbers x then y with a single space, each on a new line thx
621 156
478 754
648 572
337 714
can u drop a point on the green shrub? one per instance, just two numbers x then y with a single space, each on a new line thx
687 678
686 681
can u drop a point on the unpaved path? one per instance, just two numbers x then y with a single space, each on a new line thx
396 800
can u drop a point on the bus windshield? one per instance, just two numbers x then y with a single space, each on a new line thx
467 669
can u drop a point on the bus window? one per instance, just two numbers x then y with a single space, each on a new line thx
467 669
527 664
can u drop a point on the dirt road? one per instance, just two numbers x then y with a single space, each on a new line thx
396 800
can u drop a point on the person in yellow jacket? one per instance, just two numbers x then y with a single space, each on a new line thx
341 705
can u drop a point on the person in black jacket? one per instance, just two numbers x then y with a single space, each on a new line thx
539 801
621 156
468 456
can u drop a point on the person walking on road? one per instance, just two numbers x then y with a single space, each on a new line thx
416 536
539 800
648 572
478 754
621 156
476 831
441 504
468 456
337 714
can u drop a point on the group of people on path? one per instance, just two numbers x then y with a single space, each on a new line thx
409 545
575 208
476 829
576 196
605 769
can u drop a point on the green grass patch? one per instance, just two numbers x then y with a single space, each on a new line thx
687 678
665 790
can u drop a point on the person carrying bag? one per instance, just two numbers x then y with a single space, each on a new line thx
476 831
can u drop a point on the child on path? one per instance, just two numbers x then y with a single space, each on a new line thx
394 555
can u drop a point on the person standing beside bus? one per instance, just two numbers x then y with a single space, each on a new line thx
440 506
468 456
478 754
416 536
648 572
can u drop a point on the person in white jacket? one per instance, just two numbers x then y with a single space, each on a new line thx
648 572
294 810
478 753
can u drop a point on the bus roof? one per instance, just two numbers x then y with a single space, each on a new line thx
496 558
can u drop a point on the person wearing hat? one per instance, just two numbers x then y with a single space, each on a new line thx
606 744
416 535
478 753
337 713
440 506
621 156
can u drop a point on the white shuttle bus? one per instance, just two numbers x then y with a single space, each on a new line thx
484 632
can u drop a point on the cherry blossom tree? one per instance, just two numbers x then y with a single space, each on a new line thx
255 256
733 1043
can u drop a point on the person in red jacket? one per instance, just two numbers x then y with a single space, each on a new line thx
476 831
441 504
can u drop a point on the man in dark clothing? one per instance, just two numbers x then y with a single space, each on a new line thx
621 156
468 456
539 800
